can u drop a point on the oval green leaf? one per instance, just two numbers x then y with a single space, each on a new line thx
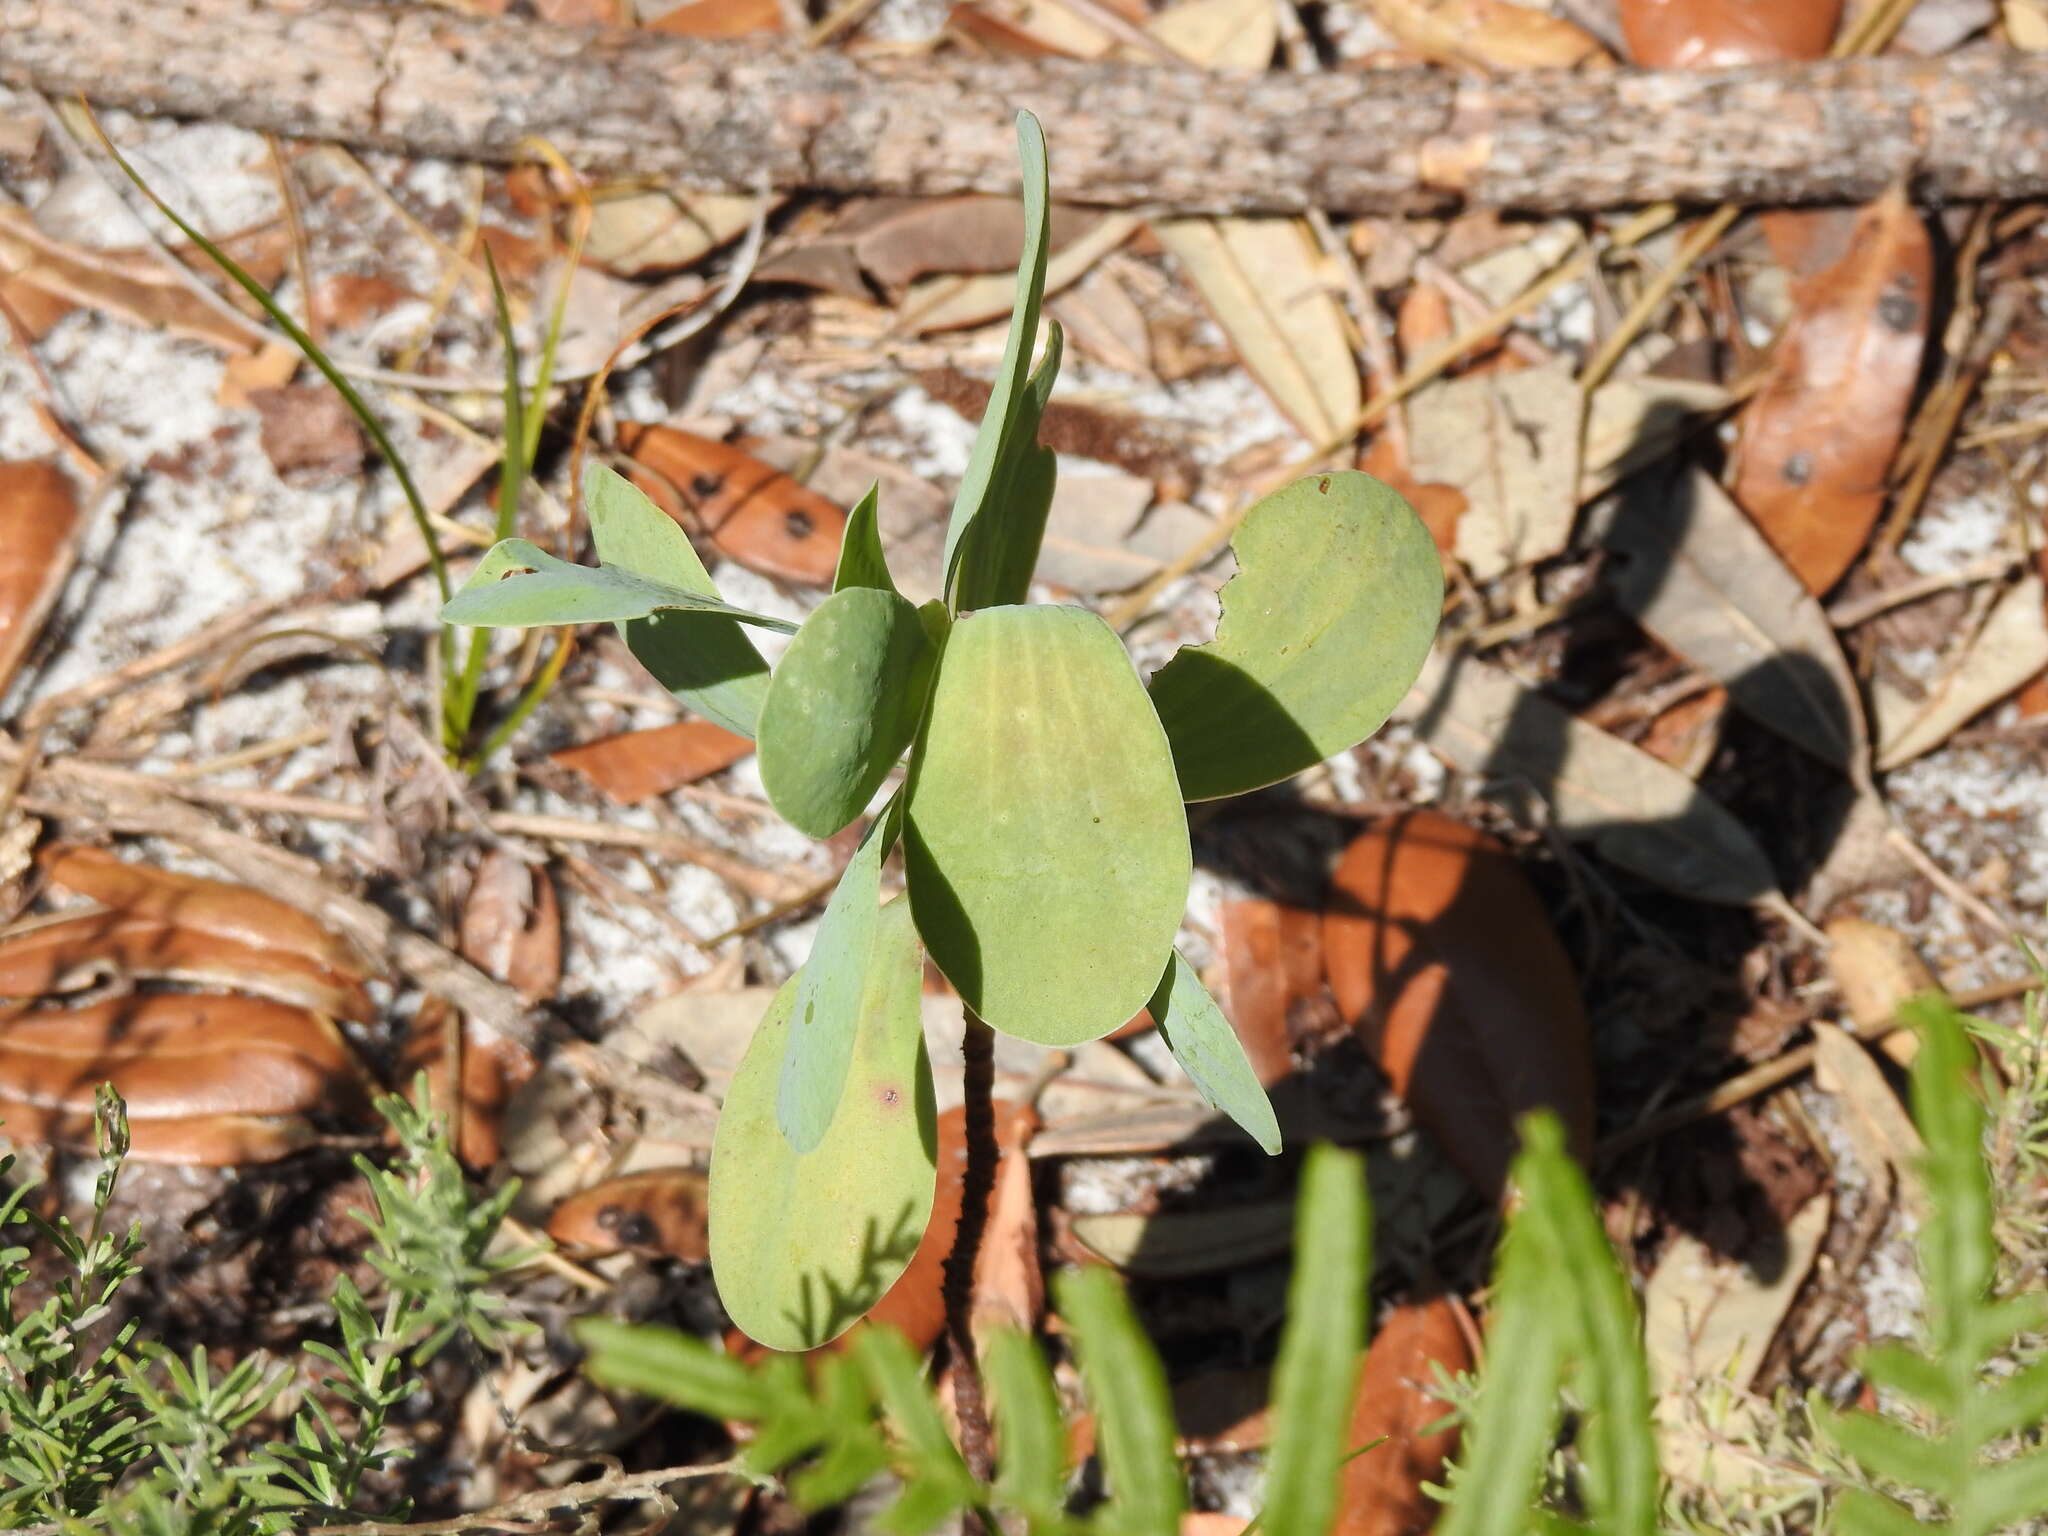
1045 843
844 703
1326 624
804 1243
1209 1051
709 664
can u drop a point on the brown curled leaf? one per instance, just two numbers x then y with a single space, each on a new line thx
638 765
1725 34
1397 1403
1272 956
70 952
217 907
39 520
1439 952
200 1141
492 1070
512 925
659 1211
1818 439
181 1056
752 513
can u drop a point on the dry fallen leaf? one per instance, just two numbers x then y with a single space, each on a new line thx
309 434
491 1069
638 765
1444 960
719 18
912 515
1686 734
1397 1399
207 1079
2026 24
39 521
1492 34
952 301
1263 280
1634 421
1272 956
1879 1128
658 1211
897 240
2011 648
1642 814
1697 574
1082 430
1509 443
752 513
1876 969
1817 440
134 286
635 233
1723 34
512 925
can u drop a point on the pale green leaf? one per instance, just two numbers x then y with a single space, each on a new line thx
802 1244
844 703
1000 552
1127 1387
829 990
671 1366
519 585
1045 844
861 561
1209 1051
710 665
1317 1374
1326 624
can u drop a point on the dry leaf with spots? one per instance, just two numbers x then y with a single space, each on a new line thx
1263 279
1490 34
2010 648
660 1212
39 526
1642 814
1818 438
1446 964
1695 573
1509 444
751 512
639 765
1397 1404
1725 34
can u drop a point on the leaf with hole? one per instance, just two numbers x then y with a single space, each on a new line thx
1326 624
844 702
1208 1050
803 1243
1046 845
709 664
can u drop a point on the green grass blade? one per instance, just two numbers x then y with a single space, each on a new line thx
1031 1436
1132 1408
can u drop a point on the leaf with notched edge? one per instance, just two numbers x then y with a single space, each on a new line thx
1441 955
1818 438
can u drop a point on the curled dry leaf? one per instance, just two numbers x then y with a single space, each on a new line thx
491 1069
752 513
638 765
1272 956
207 1079
916 1303
1491 34
74 951
218 907
1818 438
2011 648
1397 1402
658 1211
39 520
512 925
1723 34
1883 1134
1439 951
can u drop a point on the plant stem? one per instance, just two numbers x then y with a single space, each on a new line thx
978 1077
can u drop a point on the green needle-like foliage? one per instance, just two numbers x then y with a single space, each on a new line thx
1982 1457
1042 812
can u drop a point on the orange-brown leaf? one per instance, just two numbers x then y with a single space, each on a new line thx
719 18
1722 34
216 907
512 925
1817 440
1383 1494
201 1141
751 512
1272 956
38 538
639 765
73 951
493 1068
659 1211
1439 952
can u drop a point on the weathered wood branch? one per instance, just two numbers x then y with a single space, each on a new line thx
738 116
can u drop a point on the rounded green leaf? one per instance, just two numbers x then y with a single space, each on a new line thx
843 704
1045 842
802 1244
1326 624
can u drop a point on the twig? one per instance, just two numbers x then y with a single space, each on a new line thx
1849 612
531 1509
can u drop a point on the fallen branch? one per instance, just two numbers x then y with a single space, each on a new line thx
737 117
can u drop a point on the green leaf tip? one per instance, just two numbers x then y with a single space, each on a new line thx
1208 1050
1325 627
